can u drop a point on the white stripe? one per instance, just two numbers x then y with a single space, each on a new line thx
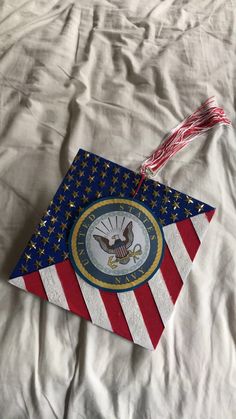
178 250
134 319
18 282
53 287
200 223
95 305
161 296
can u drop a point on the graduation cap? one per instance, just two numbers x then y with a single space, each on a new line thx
115 247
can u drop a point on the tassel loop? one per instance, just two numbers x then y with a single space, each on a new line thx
143 177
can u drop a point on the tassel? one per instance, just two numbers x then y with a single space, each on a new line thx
203 119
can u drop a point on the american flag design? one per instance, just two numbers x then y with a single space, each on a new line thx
139 315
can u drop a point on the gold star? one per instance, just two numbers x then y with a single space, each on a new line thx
27 257
126 176
38 264
155 194
67 215
153 204
61 198
187 212
63 226
53 219
84 199
162 221
165 199
75 194
81 173
114 180
103 174
175 205
48 212
106 165
32 245
72 168
145 188
57 208
188 200
174 217
116 170
65 255
51 230
91 179
199 207
94 169
143 198
66 187
167 189
163 210
71 204
112 190
136 181
78 183
86 155
45 240
157 185
96 159
177 195
70 177
41 251
98 195
51 259
88 189
23 268
43 223
56 247
79 209
122 194
133 191
124 185
101 184
59 236
38 233
84 164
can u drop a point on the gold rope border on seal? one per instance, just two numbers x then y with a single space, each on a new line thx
130 284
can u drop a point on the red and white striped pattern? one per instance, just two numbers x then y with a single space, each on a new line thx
203 119
139 315
121 251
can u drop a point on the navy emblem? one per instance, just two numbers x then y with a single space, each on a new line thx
116 244
123 239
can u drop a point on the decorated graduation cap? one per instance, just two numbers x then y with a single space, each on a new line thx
114 246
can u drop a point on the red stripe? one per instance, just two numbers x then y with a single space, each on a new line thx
209 214
71 289
34 284
115 314
189 237
119 252
123 251
150 313
171 275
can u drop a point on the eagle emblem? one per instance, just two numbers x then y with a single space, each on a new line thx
119 246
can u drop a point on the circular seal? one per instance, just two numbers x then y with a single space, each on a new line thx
116 244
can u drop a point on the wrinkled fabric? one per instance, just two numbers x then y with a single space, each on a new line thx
114 77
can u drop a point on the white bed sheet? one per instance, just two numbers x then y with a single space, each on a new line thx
114 78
